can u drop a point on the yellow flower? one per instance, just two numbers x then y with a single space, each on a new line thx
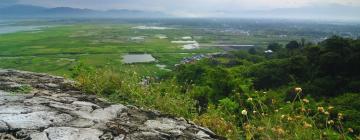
340 116
261 128
247 126
244 112
298 90
303 109
321 109
326 113
330 122
306 125
306 101
351 130
279 130
273 101
298 117
282 116
250 99
330 108
276 110
290 119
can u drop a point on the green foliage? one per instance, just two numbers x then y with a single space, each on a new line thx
269 74
349 105
274 47
252 51
292 45
23 89
322 71
127 87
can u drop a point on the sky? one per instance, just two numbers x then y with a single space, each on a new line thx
186 7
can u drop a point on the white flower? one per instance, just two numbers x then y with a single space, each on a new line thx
250 99
298 89
306 101
244 112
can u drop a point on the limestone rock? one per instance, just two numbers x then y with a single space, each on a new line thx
55 110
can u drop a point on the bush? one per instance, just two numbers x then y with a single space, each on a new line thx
128 88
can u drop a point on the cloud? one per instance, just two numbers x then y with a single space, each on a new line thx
4 3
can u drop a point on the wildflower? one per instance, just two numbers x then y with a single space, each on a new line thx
261 128
330 108
321 109
279 131
276 110
340 116
330 122
326 113
351 130
244 112
290 118
288 102
254 112
264 92
306 125
247 126
298 90
250 99
298 117
282 116
305 100
303 109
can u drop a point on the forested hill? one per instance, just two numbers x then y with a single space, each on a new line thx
297 90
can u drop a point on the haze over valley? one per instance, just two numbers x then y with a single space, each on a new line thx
179 69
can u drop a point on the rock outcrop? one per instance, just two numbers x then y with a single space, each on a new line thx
43 107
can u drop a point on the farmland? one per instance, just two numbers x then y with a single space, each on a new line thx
58 45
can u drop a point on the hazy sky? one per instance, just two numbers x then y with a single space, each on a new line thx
186 7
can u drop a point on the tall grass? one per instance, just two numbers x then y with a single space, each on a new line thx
245 116
128 87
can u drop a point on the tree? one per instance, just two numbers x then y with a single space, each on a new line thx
303 41
252 51
292 45
274 47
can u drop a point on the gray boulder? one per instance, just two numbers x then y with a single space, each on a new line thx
54 109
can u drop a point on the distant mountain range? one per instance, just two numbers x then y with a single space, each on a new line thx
332 11
323 11
29 11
